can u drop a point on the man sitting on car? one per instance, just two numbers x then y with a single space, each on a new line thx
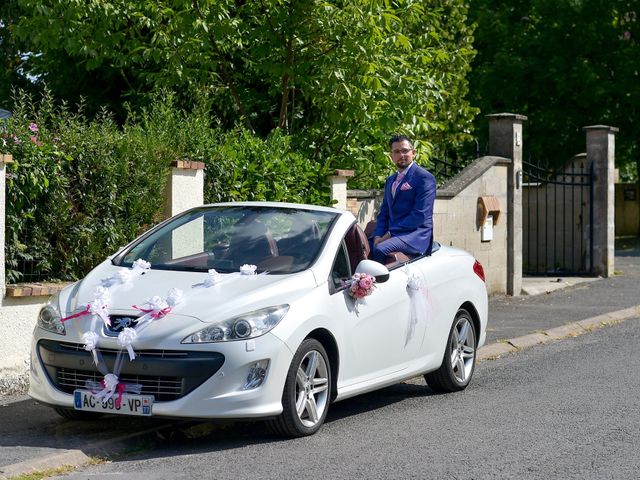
405 221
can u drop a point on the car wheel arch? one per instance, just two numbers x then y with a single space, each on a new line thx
475 318
326 338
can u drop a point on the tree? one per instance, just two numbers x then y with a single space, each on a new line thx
11 58
337 76
565 64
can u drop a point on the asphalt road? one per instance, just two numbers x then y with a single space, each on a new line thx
568 409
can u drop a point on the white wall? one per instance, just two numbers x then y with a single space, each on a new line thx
18 319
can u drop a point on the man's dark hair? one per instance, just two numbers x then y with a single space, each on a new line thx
399 138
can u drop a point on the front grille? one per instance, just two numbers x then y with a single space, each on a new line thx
164 389
75 347
69 367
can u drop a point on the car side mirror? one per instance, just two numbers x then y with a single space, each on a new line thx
375 269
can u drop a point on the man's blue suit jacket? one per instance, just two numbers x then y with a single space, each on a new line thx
409 215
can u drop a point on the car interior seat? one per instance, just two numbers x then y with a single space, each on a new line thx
251 243
357 246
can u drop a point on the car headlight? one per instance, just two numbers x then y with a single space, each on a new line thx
49 318
242 327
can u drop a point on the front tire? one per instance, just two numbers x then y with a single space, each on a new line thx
307 392
459 359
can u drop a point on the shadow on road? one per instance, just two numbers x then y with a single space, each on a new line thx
38 431
627 247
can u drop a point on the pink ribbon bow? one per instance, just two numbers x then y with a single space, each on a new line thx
154 313
86 311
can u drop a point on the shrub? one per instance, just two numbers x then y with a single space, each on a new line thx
79 189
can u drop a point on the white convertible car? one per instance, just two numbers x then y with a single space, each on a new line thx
255 310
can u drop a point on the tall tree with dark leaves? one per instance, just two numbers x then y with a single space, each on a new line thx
565 64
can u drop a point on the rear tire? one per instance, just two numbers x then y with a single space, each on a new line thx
459 359
71 414
307 392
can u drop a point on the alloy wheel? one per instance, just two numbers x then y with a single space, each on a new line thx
312 388
463 351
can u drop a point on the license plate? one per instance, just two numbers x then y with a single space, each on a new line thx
130 404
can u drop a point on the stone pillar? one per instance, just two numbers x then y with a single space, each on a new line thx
338 182
185 190
505 140
185 187
4 159
601 141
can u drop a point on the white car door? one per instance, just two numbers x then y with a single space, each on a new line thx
375 339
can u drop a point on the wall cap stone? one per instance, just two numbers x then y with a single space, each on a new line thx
6 158
469 174
343 173
364 193
606 128
34 289
187 165
514 116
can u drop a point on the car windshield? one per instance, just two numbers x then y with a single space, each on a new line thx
275 239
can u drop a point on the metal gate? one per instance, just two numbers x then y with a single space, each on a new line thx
557 217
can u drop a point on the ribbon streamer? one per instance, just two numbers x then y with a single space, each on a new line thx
90 340
79 314
125 339
418 303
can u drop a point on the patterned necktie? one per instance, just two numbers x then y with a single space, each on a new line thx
396 182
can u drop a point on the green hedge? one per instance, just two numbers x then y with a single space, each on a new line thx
80 188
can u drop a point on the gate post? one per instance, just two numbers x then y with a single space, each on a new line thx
505 140
601 141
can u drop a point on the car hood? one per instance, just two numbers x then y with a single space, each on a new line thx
232 295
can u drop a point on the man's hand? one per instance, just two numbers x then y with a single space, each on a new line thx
377 240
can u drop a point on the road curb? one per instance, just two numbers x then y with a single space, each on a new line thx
55 460
78 458
580 327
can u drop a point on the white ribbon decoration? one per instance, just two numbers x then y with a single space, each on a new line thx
247 269
99 307
95 387
418 303
174 297
124 276
125 339
110 384
159 307
213 277
140 266
90 340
